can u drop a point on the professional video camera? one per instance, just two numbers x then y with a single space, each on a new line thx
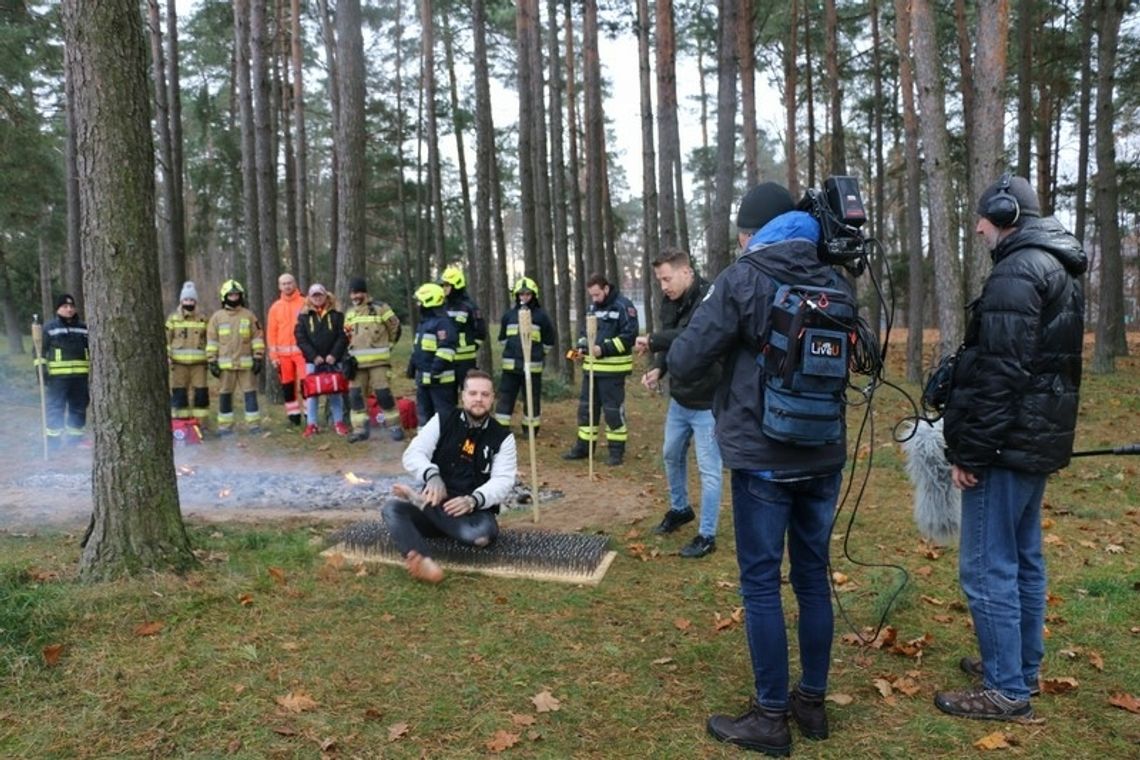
839 210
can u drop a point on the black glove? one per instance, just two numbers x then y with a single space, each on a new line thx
215 370
350 368
258 365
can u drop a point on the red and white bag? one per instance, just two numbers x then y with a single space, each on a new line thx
186 432
323 382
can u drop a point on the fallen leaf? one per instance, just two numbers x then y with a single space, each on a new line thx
885 638
150 629
883 685
907 686
996 740
1060 685
1052 599
840 699
942 618
501 741
362 570
1114 549
1070 653
533 735
932 600
328 745
42 576
290 646
297 701
245 600
1125 702
725 584
839 578
924 571
662 660
397 731
233 747
523 719
1096 660
52 653
544 701
373 714
335 560
722 623
1053 538
285 730
932 553
633 533
277 574
1047 523
1087 544
681 624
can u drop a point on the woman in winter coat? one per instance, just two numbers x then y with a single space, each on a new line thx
322 340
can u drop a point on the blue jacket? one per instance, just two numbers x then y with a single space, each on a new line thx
731 324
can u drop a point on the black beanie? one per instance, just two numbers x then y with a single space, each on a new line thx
762 204
1020 189
62 299
357 285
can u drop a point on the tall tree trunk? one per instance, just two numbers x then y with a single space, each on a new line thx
838 155
484 150
434 174
334 115
527 211
266 155
594 142
969 126
1110 338
1026 18
137 524
177 171
460 152
987 147
353 178
281 71
809 95
401 197
544 233
502 284
12 326
1044 135
577 232
1084 110
718 236
250 200
932 124
301 154
790 84
746 54
875 310
174 278
558 195
649 230
707 172
668 132
73 263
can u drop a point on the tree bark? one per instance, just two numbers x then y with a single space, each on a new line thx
353 177
790 84
265 157
334 116
558 196
73 262
12 326
544 233
719 254
932 124
174 278
809 96
401 197
434 173
576 225
461 153
1084 111
649 229
281 73
137 524
594 142
1025 28
878 210
527 187
301 154
746 54
668 131
177 163
250 199
838 153
484 150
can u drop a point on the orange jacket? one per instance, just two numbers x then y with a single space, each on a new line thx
279 327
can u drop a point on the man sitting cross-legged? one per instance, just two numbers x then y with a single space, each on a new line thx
467 464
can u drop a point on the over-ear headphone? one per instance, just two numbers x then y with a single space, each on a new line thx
1002 207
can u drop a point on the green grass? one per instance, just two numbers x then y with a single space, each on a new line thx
636 663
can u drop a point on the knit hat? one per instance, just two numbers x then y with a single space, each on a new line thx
357 285
762 204
189 292
1020 189
316 287
64 298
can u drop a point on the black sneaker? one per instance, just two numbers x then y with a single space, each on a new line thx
983 704
972 666
699 547
577 451
809 714
758 729
674 519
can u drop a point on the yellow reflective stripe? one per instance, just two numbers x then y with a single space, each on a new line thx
366 319
187 355
387 314
189 324
618 345
242 362
512 330
224 330
465 352
245 327
446 378
425 378
257 344
609 363
510 363
618 434
382 353
446 354
428 343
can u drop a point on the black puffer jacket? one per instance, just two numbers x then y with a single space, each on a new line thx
675 316
1014 398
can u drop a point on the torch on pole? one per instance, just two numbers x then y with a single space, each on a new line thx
524 337
38 345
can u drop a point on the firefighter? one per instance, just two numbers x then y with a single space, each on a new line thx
372 329
611 358
283 352
433 355
469 323
235 352
67 359
186 353
525 292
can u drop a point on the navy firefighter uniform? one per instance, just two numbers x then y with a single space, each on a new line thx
513 380
67 361
433 355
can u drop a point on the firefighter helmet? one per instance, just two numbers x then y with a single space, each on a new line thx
453 276
524 283
430 295
231 286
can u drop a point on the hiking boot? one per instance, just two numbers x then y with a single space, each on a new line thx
699 547
758 729
615 453
341 428
359 435
423 568
983 704
579 450
972 666
674 519
310 431
809 714
295 420
396 432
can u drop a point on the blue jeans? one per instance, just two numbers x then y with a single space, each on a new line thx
1002 570
336 403
682 425
763 511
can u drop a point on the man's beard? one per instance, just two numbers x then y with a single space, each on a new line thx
357 301
475 420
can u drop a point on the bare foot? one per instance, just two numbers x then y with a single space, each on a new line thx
423 568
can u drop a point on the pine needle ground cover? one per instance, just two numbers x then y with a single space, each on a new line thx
270 650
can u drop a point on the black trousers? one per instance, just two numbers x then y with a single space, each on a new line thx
66 399
609 403
512 387
434 399
409 526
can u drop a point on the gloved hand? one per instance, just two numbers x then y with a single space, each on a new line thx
215 370
258 365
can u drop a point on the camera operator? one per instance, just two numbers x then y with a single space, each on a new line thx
778 488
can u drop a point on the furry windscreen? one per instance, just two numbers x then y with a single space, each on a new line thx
937 503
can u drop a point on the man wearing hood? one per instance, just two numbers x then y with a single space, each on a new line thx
1009 423
186 352
778 489
513 380
67 359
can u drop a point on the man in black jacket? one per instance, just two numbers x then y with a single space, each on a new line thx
689 417
778 489
67 360
1009 423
